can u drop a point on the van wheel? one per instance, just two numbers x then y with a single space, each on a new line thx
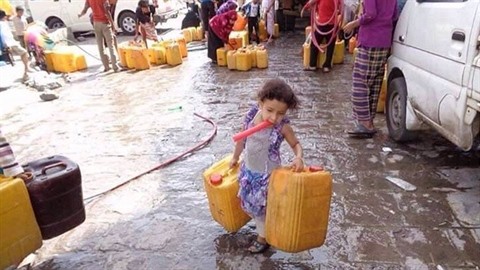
396 110
55 23
127 23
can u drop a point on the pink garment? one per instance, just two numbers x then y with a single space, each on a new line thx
222 24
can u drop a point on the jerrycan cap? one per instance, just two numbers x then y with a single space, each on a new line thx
315 169
216 179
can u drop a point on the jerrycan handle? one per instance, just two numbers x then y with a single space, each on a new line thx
51 166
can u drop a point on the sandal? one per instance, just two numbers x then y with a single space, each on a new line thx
258 247
360 131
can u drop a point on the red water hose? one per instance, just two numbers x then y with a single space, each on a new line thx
338 9
167 162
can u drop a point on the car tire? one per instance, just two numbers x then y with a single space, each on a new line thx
55 23
396 110
127 22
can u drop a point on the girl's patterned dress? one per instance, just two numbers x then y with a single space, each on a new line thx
261 156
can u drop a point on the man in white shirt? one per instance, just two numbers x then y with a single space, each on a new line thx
20 24
9 41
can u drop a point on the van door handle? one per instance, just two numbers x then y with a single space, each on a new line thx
459 36
401 38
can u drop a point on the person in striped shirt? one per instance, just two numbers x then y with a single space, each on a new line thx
8 163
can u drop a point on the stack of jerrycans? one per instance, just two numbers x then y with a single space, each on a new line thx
56 195
298 206
221 186
19 231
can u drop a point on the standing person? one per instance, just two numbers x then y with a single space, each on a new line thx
20 24
325 19
375 39
104 28
13 45
262 152
208 11
220 28
252 11
8 162
145 24
269 17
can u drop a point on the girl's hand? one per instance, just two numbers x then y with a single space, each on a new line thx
25 176
233 162
297 164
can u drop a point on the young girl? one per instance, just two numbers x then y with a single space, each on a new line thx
262 152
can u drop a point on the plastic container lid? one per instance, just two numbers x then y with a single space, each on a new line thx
216 179
315 169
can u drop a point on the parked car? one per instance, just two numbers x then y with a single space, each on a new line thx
434 71
60 13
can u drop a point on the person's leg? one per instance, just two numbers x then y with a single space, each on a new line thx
250 29
260 244
257 28
314 50
375 78
24 56
108 35
360 90
330 47
98 29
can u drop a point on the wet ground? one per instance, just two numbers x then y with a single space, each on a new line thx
118 125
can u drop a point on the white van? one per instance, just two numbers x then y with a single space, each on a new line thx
434 71
60 13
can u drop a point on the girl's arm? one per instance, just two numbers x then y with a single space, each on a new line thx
292 140
239 146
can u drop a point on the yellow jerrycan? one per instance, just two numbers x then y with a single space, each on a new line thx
231 60
262 31
148 53
243 61
49 61
253 55
129 57
339 52
122 55
174 57
276 30
222 57
182 45
19 231
63 61
140 61
221 185
306 55
383 94
298 206
187 34
159 54
262 57
199 33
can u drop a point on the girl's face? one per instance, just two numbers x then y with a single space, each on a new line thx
145 9
273 110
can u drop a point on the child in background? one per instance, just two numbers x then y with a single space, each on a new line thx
145 24
20 25
252 11
262 152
